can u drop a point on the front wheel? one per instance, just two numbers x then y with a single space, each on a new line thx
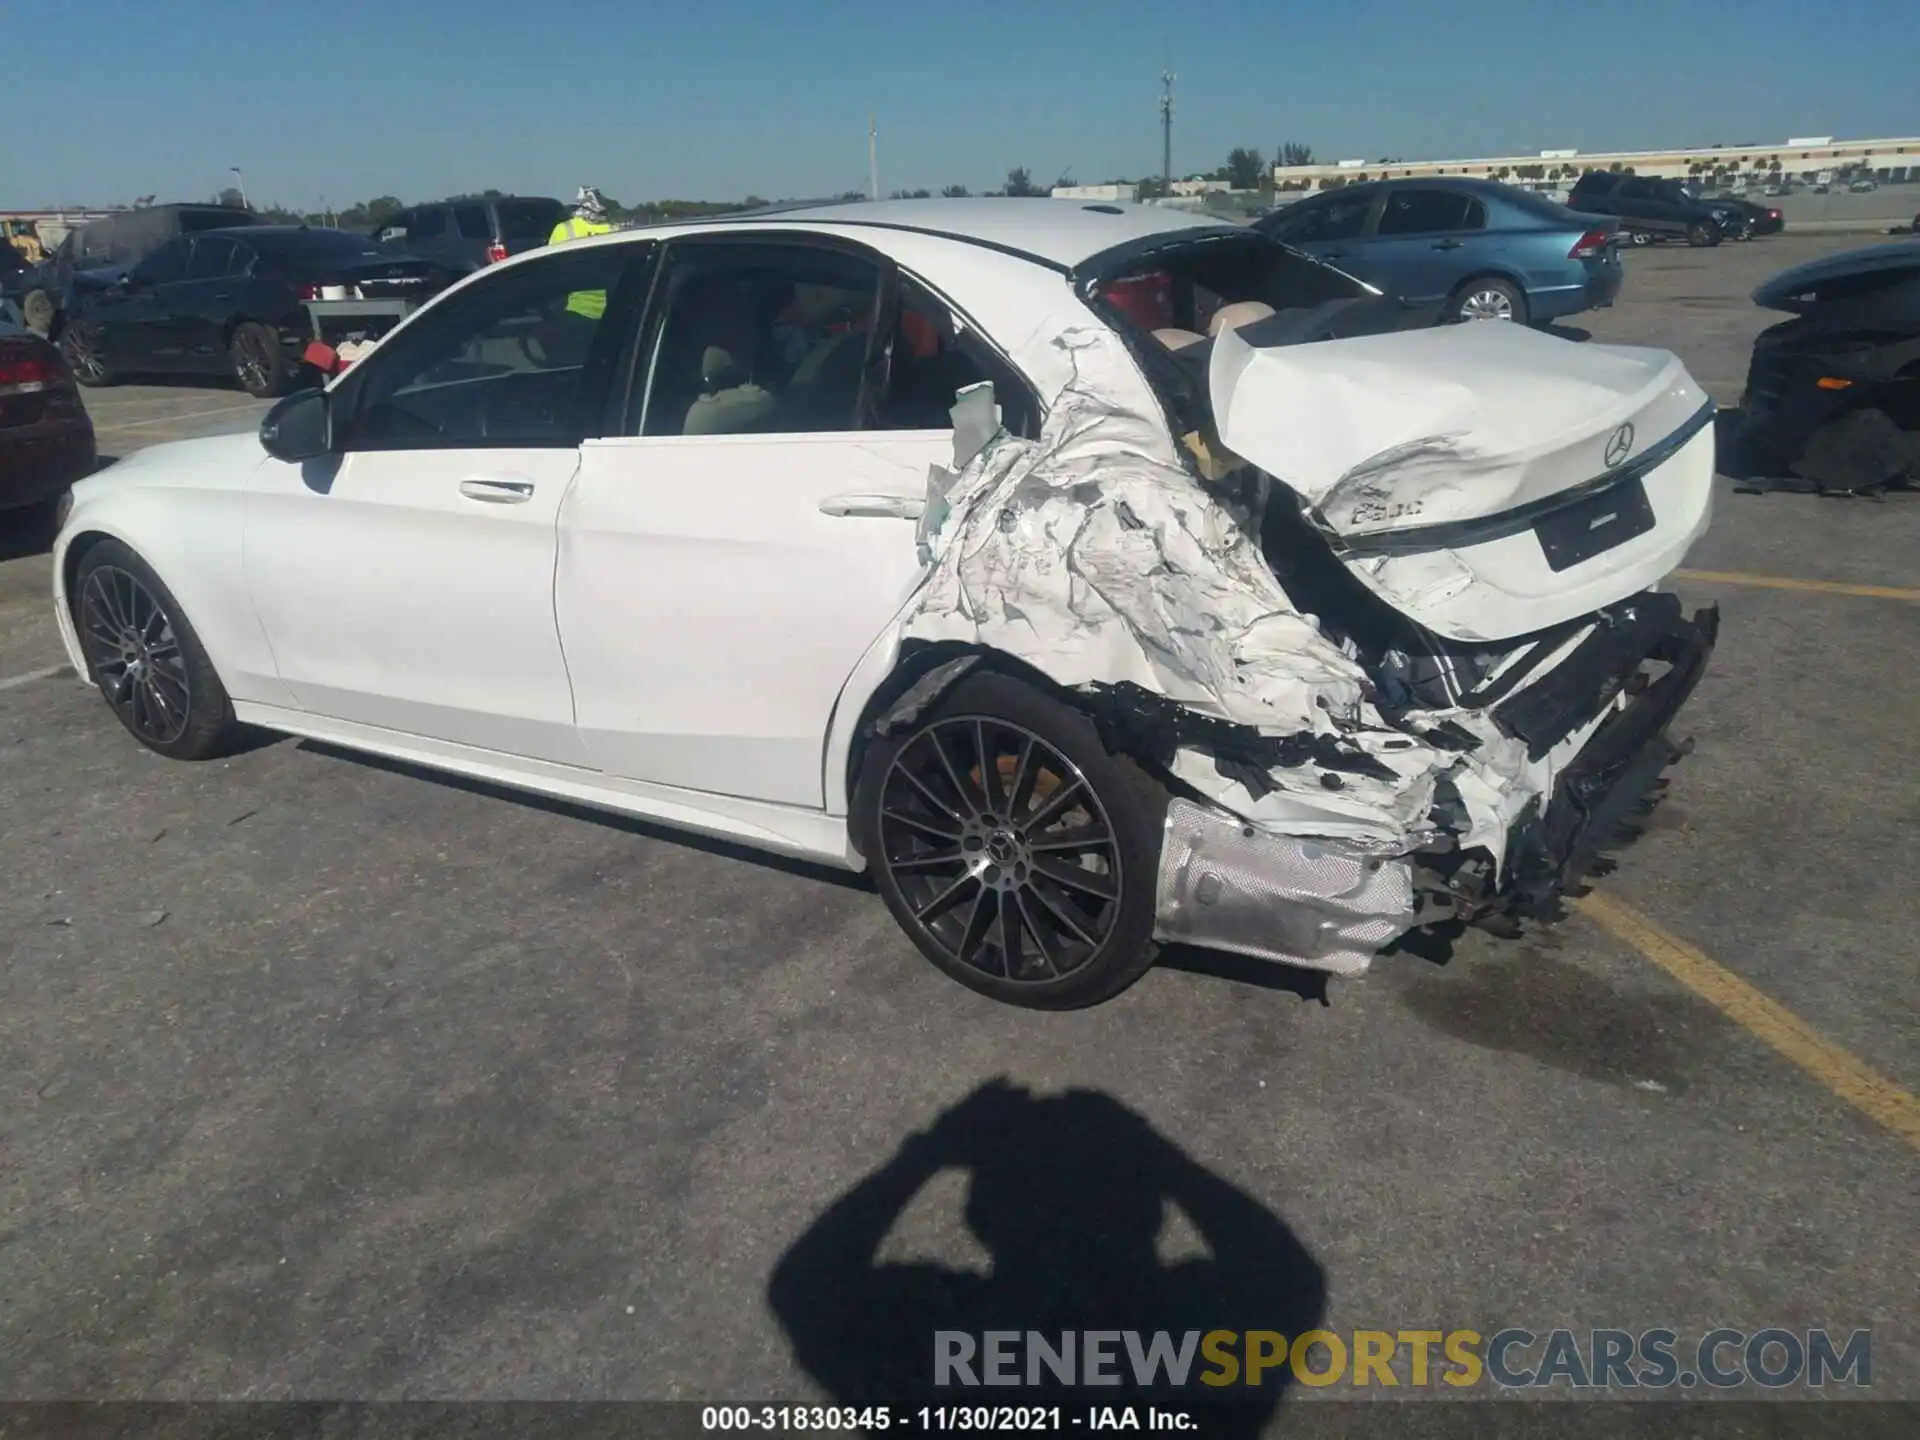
1013 848
146 659
1640 237
260 362
1703 233
1488 298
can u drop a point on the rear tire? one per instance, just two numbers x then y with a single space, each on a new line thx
1640 237
145 657
1488 297
1017 852
39 310
1703 233
260 362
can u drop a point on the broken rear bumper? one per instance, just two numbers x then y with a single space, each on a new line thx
1229 885
1609 781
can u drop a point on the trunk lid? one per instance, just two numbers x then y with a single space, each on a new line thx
1487 480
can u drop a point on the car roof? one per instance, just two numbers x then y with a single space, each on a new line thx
1063 233
1895 255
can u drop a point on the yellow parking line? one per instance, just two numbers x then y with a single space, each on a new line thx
1781 582
1874 1095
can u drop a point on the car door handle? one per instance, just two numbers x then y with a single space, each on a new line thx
1448 244
890 507
497 492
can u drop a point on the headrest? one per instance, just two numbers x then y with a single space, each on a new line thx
1240 312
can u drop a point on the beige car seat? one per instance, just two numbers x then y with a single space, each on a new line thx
1239 313
730 401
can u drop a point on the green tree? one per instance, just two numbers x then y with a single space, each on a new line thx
1244 168
1292 154
956 192
1020 182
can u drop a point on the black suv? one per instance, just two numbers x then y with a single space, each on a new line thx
115 243
464 235
1647 209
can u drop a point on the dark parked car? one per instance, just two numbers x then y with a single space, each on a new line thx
46 439
1466 249
1745 220
465 235
230 302
1647 209
116 241
1833 395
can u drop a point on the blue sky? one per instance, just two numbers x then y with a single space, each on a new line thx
346 99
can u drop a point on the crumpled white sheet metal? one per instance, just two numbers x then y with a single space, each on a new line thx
1094 555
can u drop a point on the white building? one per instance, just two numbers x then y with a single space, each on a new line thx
1804 157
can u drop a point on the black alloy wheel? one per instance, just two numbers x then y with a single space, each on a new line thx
134 654
258 363
143 653
80 348
1016 852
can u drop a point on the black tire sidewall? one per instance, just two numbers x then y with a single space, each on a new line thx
210 720
1135 804
279 377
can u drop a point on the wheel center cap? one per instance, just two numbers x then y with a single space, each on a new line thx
1002 847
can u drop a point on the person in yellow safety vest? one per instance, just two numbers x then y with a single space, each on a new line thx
589 218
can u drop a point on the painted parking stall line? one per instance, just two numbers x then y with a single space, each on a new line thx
1841 1072
50 672
1784 582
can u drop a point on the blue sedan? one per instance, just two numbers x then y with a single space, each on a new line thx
1467 249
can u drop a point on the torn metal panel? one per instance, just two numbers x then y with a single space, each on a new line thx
1317 903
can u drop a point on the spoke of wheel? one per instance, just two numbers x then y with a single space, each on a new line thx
142 722
1071 842
168 649
1035 929
98 626
1057 805
1063 917
116 686
1072 877
157 704
920 823
155 630
989 767
162 674
945 807
932 737
929 861
945 900
1011 949
1024 776
979 921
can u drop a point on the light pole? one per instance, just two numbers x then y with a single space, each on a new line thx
241 185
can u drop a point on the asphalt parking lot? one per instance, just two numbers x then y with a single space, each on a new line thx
328 1078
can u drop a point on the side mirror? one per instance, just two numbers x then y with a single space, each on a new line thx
299 428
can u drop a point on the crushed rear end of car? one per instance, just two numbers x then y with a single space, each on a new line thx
1381 618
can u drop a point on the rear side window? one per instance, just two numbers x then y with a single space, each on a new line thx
931 355
1425 212
213 256
428 224
1637 190
471 221
527 219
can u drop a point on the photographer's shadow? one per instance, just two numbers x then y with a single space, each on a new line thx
1068 1196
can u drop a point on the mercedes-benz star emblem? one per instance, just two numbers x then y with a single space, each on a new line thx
1618 445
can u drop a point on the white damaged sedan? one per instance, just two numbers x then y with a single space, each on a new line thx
1096 576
